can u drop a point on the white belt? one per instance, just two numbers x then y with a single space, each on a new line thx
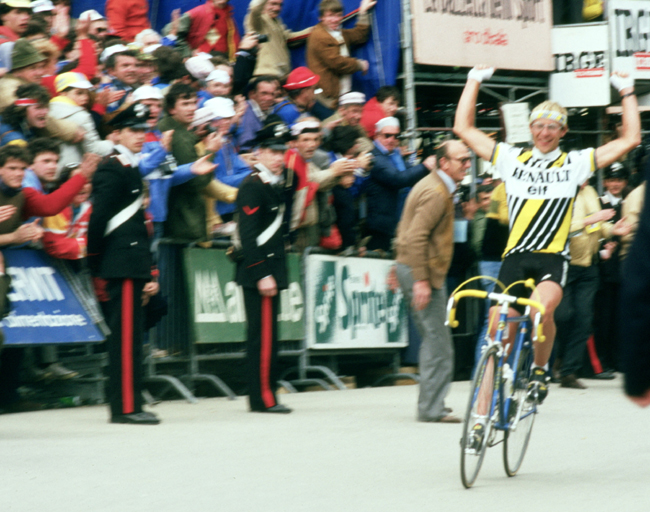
122 216
266 235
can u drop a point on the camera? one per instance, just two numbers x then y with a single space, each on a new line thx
262 38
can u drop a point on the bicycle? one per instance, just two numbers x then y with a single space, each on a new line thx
499 396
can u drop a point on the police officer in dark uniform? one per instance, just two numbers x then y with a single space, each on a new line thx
119 258
264 208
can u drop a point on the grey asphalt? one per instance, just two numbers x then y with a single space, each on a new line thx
356 450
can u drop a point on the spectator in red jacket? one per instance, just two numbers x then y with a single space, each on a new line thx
385 104
14 15
127 18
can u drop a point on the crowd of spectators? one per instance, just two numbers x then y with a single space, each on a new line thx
208 90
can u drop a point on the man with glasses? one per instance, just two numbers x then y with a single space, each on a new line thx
388 175
541 185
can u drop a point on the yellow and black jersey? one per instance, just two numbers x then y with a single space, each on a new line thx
541 189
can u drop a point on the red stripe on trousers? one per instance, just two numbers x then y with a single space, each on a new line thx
266 341
127 347
593 355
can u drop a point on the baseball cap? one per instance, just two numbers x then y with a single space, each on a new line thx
222 107
92 14
147 92
42 6
300 78
71 79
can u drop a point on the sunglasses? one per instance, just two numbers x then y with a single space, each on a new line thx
390 135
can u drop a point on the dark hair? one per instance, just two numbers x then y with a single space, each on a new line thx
294 93
13 115
36 26
388 91
329 6
178 91
5 9
255 82
169 64
219 58
13 152
111 61
43 145
484 189
342 139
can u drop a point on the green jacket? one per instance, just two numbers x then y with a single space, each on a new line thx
186 218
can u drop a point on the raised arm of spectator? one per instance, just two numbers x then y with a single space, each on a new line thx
87 55
359 34
464 126
631 132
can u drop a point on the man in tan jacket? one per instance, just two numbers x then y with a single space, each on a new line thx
425 245
328 49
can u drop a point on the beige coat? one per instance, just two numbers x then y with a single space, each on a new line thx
425 233
273 56
584 242
632 206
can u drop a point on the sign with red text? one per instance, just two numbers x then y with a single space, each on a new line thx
581 57
630 33
509 34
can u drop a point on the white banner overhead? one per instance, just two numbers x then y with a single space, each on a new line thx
582 66
630 33
508 34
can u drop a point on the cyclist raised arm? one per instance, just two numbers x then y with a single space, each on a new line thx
541 185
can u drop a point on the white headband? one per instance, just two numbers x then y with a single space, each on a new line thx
547 114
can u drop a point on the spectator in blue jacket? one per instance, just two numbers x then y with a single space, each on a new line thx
388 175
261 99
231 169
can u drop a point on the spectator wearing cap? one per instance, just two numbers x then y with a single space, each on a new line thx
273 57
231 169
301 96
98 28
264 204
123 277
328 49
349 113
606 338
43 11
14 16
261 98
312 211
71 103
574 316
121 65
127 18
186 219
217 85
388 175
209 27
384 104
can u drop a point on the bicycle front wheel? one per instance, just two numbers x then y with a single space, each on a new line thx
521 417
479 410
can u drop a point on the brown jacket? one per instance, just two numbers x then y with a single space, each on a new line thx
425 233
324 57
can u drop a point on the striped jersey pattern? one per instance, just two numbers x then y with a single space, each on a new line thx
541 189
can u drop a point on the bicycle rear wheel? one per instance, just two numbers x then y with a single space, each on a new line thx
521 419
483 386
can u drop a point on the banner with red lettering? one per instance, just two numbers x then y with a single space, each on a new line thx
630 34
509 34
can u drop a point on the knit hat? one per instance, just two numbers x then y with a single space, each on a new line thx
24 54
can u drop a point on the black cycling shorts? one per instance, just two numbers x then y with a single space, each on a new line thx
536 265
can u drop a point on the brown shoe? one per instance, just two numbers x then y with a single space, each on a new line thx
570 381
449 419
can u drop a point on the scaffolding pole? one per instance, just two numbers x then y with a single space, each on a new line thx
409 84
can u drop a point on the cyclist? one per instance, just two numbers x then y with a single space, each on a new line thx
541 185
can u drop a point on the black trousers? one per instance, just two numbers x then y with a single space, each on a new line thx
261 348
346 215
606 332
574 317
124 315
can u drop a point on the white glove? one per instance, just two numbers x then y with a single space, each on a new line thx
621 82
480 74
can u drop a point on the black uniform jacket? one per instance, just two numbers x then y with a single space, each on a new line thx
123 253
259 205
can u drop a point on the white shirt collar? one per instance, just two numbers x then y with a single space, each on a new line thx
450 184
551 155
613 200
259 113
133 159
267 176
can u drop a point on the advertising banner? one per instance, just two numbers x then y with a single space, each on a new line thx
350 305
507 34
216 302
44 309
581 75
629 32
